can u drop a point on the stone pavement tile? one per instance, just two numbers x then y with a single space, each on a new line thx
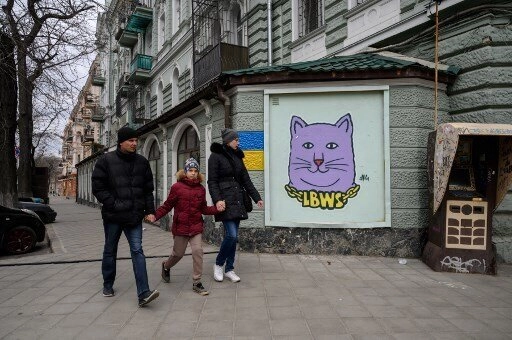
291 312
319 312
292 337
363 326
277 283
73 297
77 320
312 300
282 301
62 333
367 275
385 311
431 324
352 311
93 307
403 301
254 327
214 328
147 317
358 291
326 326
301 282
243 292
334 337
61 308
40 323
240 337
412 335
278 291
308 291
6 310
194 305
26 334
137 332
218 293
10 323
46 299
219 314
481 312
30 309
399 325
451 313
289 327
389 291
180 316
453 336
256 301
372 300
502 325
505 312
24 297
372 337
471 325
95 332
213 303
252 313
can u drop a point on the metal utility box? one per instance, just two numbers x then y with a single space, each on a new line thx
469 173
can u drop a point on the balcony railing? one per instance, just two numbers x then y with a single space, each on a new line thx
140 69
220 58
126 37
140 115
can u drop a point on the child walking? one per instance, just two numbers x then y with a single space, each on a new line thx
188 198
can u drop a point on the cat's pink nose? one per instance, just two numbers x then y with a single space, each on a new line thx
319 162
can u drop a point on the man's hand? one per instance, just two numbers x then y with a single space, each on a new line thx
150 218
260 204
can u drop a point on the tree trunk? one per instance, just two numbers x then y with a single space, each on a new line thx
8 101
25 127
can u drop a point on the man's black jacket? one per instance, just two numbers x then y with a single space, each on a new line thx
123 183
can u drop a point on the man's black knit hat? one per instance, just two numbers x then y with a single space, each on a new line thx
125 133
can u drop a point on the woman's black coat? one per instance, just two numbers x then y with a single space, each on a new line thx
222 184
123 183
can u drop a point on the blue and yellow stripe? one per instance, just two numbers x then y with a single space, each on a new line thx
251 142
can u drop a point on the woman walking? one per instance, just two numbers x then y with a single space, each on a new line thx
227 180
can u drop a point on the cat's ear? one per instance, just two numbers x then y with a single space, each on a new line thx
296 124
345 123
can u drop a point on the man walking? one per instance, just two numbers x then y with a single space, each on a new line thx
123 182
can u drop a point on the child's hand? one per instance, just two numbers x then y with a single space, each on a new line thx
221 206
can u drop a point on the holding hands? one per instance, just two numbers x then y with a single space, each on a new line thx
221 206
150 218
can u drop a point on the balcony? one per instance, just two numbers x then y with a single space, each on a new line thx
126 37
98 114
140 69
98 78
69 139
88 137
220 58
140 18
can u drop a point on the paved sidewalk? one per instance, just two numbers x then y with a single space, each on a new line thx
58 295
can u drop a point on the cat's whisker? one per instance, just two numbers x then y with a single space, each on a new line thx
334 168
301 167
336 159
305 160
301 163
328 164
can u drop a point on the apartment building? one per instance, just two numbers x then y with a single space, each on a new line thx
180 71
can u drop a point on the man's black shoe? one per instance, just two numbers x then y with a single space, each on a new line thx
148 297
108 292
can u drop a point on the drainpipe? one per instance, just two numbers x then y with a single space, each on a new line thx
227 106
269 30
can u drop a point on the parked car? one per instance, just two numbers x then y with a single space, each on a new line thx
44 211
20 230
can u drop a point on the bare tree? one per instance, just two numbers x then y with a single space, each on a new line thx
47 34
8 99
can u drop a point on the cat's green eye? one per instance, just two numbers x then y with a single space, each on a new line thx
331 145
308 145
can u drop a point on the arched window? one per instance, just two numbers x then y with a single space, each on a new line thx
188 147
154 163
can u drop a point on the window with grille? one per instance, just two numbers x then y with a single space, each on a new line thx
310 16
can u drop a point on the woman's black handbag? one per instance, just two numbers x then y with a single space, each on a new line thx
245 195
247 201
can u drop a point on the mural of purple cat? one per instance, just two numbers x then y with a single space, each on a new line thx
321 155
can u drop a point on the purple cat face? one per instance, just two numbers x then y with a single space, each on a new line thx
321 155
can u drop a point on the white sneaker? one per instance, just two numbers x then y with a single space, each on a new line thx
218 273
232 276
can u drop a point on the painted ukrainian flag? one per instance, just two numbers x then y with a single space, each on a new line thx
251 142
